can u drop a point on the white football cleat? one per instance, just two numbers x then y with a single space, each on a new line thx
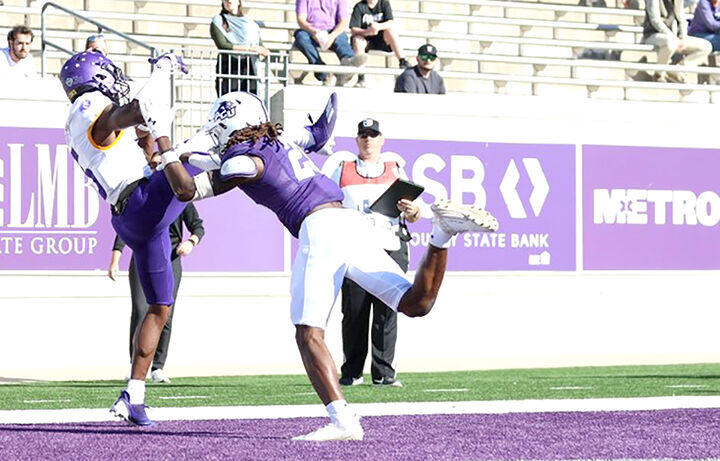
453 218
159 376
333 431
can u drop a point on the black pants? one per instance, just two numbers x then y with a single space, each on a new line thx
140 308
236 66
356 304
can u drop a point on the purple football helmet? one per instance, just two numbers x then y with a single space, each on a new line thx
92 71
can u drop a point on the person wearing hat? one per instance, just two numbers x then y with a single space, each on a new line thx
421 78
362 180
96 42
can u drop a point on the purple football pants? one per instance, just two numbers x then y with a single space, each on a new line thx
144 226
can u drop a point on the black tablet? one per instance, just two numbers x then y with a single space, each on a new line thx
386 204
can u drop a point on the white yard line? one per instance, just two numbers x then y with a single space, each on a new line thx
369 409
570 388
446 390
687 386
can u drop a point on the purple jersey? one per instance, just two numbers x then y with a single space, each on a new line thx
291 185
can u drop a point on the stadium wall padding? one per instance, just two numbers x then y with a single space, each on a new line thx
607 252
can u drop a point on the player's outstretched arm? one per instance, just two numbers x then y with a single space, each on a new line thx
113 119
229 176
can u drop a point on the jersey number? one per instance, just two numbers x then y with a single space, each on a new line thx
302 166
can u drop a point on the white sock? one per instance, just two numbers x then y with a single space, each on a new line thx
136 390
439 238
340 413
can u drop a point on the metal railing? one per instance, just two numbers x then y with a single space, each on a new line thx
100 29
213 73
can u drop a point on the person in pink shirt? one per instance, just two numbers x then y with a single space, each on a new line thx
322 27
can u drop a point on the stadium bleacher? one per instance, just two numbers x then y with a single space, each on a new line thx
515 47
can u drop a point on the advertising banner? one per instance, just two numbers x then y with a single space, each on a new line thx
650 208
530 188
51 217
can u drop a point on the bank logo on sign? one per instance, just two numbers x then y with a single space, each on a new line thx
508 188
636 206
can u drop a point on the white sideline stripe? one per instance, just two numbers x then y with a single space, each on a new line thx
369 409
687 386
446 390
570 388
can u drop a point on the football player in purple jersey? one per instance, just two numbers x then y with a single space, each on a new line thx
255 156
143 202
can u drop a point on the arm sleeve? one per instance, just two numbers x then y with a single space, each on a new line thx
301 7
219 38
705 16
192 221
387 11
118 244
342 11
652 8
679 8
356 17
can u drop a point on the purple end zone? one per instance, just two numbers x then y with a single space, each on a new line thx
687 434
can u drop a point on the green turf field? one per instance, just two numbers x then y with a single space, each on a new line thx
548 383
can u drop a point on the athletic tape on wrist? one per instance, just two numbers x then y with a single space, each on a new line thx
203 187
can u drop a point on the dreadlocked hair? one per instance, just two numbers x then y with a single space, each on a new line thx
267 131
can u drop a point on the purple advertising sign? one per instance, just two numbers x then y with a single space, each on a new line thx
530 188
51 217
650 208
240 236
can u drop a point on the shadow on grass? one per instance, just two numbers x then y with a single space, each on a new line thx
109 430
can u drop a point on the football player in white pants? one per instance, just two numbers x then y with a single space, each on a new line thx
333 241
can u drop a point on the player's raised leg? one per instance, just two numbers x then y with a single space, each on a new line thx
449 219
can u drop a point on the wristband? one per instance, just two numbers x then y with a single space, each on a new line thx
167 158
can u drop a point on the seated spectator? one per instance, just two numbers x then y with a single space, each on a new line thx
16 60
421 78
322 27
371 26
232 30
706 22
96 43
666 29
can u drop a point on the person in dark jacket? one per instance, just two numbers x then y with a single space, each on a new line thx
666 29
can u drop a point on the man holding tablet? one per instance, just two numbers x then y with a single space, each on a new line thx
362 180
